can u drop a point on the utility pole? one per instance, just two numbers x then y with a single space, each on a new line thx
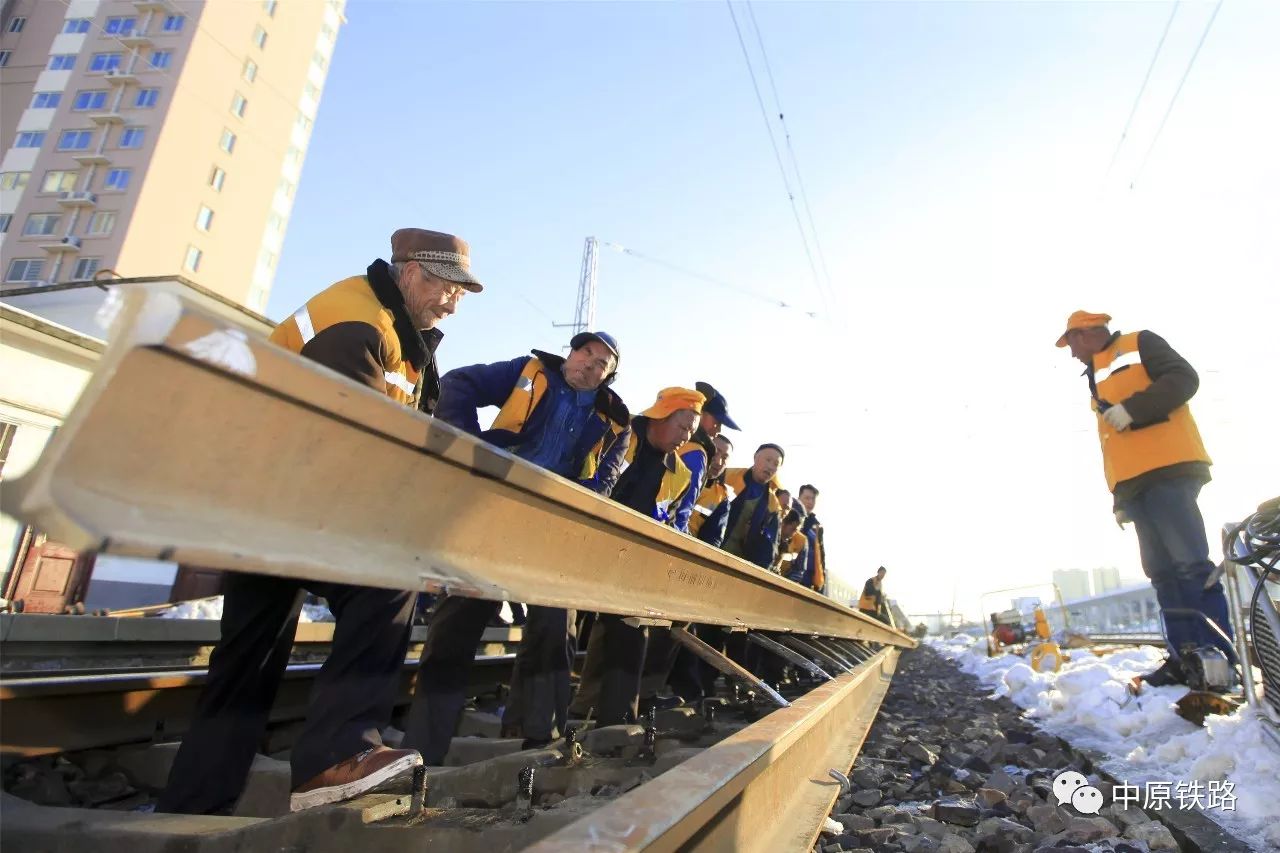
584 314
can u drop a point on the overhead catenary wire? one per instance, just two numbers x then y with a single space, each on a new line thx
777 154
791 153
1141 90
736 288
1168 110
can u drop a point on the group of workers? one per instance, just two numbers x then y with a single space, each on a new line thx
559 412
670 463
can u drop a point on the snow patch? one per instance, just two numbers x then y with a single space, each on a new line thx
1145 740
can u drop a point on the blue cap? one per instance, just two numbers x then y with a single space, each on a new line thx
716 405
605 338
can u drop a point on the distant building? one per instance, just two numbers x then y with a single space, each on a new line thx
1105 580
156 137
1072 583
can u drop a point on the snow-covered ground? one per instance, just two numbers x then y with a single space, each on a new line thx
211 608
1146 741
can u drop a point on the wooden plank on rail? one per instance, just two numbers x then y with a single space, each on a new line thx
201 443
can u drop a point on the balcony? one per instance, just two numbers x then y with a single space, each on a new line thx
77 199
69 243
134 40
153 6
106 117
91 158
120 77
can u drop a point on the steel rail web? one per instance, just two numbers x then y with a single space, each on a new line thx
198 443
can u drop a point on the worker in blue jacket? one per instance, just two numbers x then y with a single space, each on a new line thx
699 450
558 413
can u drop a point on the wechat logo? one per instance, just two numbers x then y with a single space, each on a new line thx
1072 787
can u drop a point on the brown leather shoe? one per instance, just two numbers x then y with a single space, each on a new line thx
374 769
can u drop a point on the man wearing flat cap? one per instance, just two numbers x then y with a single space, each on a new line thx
559 413
1155 465
652 484
378 330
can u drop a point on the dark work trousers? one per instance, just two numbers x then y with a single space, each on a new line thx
454 632
351 701
659 659
1175 556
611 674
538 704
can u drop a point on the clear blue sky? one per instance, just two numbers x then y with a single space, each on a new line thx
954 156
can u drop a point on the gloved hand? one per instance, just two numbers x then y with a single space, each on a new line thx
1122 518
1118 418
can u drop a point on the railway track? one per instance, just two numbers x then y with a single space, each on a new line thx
258 496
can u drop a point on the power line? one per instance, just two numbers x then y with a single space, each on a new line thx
795 163
764 113
1190 64
1141 89
771 300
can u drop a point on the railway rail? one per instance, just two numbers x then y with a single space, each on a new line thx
121 477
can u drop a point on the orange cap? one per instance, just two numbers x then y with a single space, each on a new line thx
1083 320
672 400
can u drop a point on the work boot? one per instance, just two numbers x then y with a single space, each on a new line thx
377 768
1169 672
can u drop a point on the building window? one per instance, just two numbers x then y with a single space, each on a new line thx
161 58
41 224
104 62
191 263
133 137
5 219
120 26
311 90
275 222
30 139
318 60
302 123
327 31
16 25
59 181
76 25
85 268
286 188
217 178
269 6
268 259
146 98
173 23
46 100
238 105
25 269
101 223
260 37
228 141
75 140
117 179
62 62
4 57
204 219
13 180
90 100
293 156
250 70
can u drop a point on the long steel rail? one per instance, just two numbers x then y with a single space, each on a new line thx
202 443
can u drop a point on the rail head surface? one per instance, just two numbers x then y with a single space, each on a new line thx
200 442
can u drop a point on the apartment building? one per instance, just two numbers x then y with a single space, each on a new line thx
156 137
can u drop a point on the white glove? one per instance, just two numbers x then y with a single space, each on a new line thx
1118 418
1122 518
